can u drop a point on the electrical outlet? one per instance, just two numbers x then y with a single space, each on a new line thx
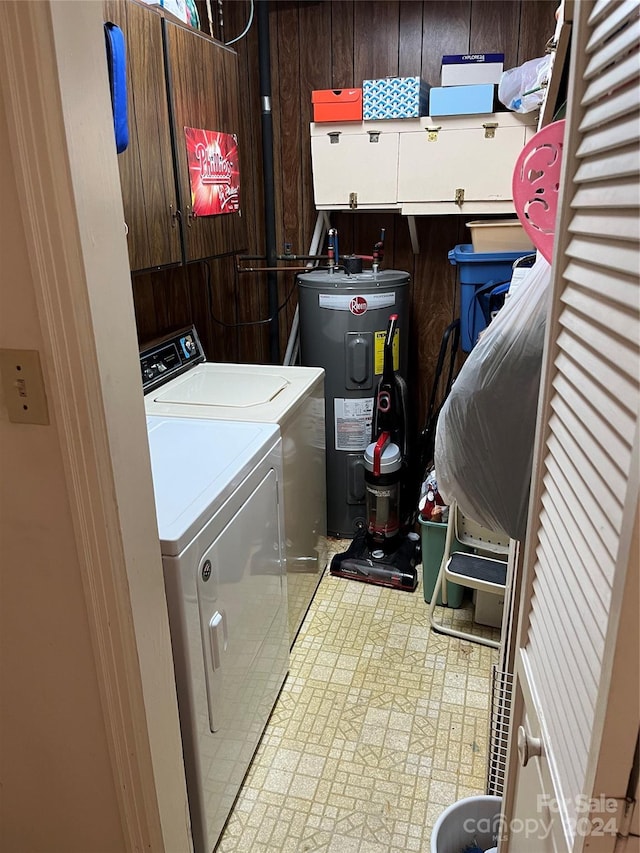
23 386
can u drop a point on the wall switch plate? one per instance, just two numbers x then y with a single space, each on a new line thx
23 386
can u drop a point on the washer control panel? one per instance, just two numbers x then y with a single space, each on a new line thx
168 357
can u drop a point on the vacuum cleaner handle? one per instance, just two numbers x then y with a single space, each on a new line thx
381 443
386 416
388 342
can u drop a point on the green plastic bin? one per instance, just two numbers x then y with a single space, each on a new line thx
433 539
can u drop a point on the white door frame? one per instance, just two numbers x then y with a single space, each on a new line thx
56 94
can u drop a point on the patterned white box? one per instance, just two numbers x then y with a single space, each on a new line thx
394 97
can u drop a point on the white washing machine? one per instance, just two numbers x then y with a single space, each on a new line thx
218 491
178 381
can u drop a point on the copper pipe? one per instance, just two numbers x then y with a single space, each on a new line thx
272 269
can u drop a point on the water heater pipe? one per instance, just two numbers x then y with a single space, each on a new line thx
264 62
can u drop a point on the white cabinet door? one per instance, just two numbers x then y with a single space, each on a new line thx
478 160
355 167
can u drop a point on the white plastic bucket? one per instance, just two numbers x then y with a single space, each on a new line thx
472 819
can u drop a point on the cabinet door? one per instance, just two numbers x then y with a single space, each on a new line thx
433 166
361 166
204 94
146 167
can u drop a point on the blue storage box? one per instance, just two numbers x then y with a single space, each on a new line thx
394 97
462 100
480 273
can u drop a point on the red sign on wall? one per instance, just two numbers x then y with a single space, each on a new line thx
214 171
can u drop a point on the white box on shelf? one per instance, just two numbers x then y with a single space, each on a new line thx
488 609
470 68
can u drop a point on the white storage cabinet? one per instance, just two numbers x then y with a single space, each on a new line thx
457 164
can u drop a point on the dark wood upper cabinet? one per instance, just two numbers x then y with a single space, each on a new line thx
203 94
147 176
177 77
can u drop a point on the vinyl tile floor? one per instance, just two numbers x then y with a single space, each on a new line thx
381 724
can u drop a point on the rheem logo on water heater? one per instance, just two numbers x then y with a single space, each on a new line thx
358 305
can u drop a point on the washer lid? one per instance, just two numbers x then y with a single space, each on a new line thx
223 387
196 464
237 392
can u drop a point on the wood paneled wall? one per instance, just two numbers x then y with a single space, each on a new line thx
335 44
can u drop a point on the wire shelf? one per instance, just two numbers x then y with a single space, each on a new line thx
499 721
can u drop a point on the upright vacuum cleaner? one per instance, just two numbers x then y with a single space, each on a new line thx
383 552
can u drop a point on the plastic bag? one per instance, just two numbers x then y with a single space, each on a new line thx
486 429
521 89
431 505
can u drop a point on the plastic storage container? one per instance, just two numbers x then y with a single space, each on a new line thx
499 235
479 273
433 536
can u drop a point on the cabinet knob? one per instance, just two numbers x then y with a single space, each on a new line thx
174 216
528 746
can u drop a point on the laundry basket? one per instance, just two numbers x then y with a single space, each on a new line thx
474 819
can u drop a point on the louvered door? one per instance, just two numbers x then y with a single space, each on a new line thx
579 614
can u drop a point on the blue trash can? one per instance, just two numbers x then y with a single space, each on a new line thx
480 273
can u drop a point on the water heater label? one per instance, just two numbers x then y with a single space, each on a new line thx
352 421
378 357
356 303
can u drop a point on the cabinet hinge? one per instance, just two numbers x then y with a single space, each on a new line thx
334 136
353 200
374 135
175 215
432 133
605 816
624 825
459 198
490 129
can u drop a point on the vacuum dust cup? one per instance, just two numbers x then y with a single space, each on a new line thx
382 466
